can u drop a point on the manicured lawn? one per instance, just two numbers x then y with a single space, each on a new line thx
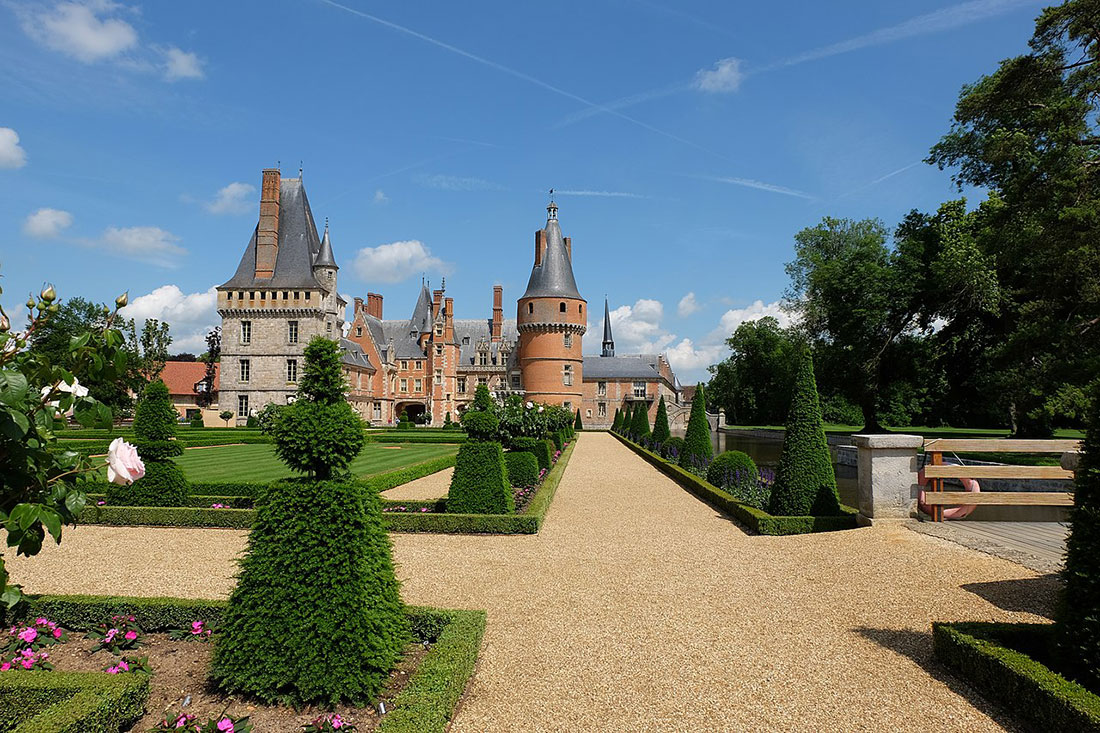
258 462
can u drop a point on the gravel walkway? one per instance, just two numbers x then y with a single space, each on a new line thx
433 486
639 608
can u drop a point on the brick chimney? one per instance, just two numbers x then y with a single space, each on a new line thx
437 303
498 313
374 305
540 245
449 320
358 307
569 247
267 233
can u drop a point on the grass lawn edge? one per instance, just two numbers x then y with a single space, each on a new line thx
754 519
426 704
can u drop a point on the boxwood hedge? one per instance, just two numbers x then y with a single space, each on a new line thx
71 702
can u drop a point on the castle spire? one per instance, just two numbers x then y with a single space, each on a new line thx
552 274
325 257
608 340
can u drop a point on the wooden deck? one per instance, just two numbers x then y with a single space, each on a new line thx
1046 540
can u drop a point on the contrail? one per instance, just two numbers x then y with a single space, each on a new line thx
759 185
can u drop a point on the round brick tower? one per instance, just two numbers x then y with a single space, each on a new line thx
551 320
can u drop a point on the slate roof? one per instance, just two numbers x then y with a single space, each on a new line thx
637 366
553 277
298 245
353 355
469 331
324 253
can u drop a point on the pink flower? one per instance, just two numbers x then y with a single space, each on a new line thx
57 633
424 509
100 502
110 635
226 725
28 635
40 621
131 635
5 666
124 466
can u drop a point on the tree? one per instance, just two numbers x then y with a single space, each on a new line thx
753 384
1028 133
697 450
319 434
479 484
639 422
204 389
1078 618
164 483
578 424
805 483
661 432
617 424
155 340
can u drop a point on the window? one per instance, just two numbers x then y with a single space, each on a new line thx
358 331
530 308
328 326
465 340
601 409
297 295
567 375
567 405
286 295
419 385
482 380
404 364
601 388
580 309
242 405
307 295
568 339
228 295
292 332
404 385
246 332
439 331
251 294
439 349
439 376
246 369
240 295
515 381
462 385
482 359
419 365
377 410
561 307
639 389
292 370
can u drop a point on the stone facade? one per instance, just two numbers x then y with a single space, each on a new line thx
429 365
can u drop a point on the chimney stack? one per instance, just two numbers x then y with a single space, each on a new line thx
569 248
540 245
498 313
374 305
267 233
358 307
449 320
437 303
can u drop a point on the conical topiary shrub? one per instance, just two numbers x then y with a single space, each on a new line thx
697 450
639 423
577 424
316 616
617 423
805 483
661 432
479 484
164 483
1078 616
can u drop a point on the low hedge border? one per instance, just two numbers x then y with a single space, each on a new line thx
527 522
399 476
71 702
978 653
756 520
448 437
425 705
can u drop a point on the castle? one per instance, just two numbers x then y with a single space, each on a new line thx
428 365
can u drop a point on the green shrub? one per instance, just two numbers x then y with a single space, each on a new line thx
661 433
735 473
639 424
1078 618
196 421
319 434
578 424
559 441
547 450
480 482
523 468
71 702
697 450
672 448
316 615
480 425
267 417
805 483
617 423
164 483
155 418
252 422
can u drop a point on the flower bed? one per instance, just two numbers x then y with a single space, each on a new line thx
446 651
755 519
1000 661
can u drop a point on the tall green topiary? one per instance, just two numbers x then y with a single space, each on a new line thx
316 616
1078 617
805 483
661 432
577 424
639 424
523 468
479 484
617 423
164 483
319 434
697 450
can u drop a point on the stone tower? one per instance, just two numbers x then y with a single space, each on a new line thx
552 318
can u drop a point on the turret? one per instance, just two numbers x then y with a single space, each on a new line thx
608 339
324 263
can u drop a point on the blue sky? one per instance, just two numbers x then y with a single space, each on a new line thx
689 141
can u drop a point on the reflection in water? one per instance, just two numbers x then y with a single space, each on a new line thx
765 452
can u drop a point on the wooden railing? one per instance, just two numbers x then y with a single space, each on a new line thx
935 470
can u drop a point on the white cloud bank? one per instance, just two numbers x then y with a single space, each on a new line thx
180 64
190 315
236 198
11 154
722 78
688 305
146 244
756 310
396 261
47 223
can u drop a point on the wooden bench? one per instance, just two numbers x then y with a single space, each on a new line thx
936 498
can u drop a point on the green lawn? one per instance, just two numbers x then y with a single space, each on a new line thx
258 462
918 430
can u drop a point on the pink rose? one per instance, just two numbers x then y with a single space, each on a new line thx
131 635
124 466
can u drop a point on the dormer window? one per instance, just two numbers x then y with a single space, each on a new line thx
465 340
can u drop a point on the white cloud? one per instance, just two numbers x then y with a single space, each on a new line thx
190 315
688 305
81 29
147 244
396 261
455 183
380 197
11 154
604 194
236 198
180 64
724 77
759 185
734 317
688 360
47 223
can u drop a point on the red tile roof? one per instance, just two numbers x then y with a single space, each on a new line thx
181 376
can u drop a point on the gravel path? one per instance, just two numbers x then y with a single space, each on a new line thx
639 608
432 486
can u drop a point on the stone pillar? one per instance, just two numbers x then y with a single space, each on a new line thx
888 466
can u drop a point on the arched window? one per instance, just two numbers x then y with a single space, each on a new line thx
530 307
562 307
580 309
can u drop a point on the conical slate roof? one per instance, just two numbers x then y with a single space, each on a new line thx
553 277
608 340
421 320
325 257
